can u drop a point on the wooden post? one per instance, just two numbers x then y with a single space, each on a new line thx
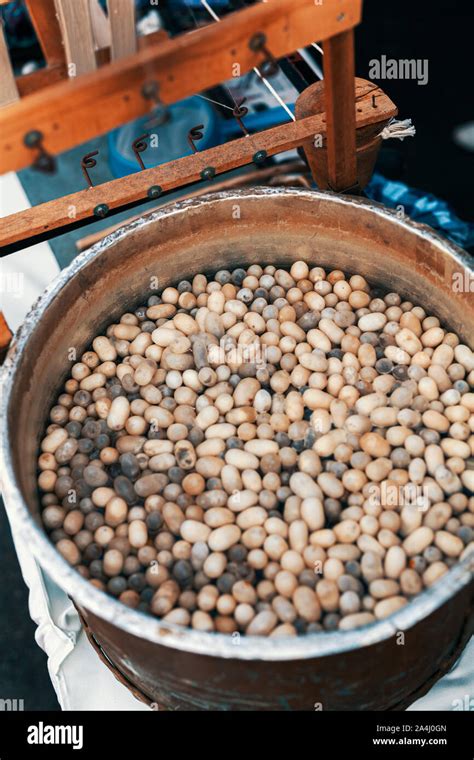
46 25
339 88
122 26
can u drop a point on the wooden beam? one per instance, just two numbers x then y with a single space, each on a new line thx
29 83
339 90
72 208
122 27
46 25
8 88
76 29
78 110
119 193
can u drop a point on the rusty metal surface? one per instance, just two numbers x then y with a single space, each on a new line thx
372 678
386 675
271 225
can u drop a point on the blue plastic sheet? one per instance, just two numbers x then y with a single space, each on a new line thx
421 207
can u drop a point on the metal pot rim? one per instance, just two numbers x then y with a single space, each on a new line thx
145 626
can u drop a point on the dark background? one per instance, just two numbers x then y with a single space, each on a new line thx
442 32
438 30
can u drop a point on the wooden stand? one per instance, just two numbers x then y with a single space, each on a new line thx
54 109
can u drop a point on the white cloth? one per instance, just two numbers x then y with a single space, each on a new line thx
80 678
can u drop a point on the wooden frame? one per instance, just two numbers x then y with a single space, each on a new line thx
29 83
70 112
41 221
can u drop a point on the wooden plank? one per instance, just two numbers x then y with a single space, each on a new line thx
29 83
118 193
8 88
80 109
339 91
46 25
100 25
122 27
76 28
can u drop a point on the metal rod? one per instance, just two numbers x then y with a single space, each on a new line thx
315 68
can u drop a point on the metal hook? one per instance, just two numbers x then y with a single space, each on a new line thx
195 134
44 161
139 146
239 112
258 43
88 162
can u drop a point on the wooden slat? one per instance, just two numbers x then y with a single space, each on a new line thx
8 88
339 90
56 214
77 110
100 25
46 25
76 29
122 27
